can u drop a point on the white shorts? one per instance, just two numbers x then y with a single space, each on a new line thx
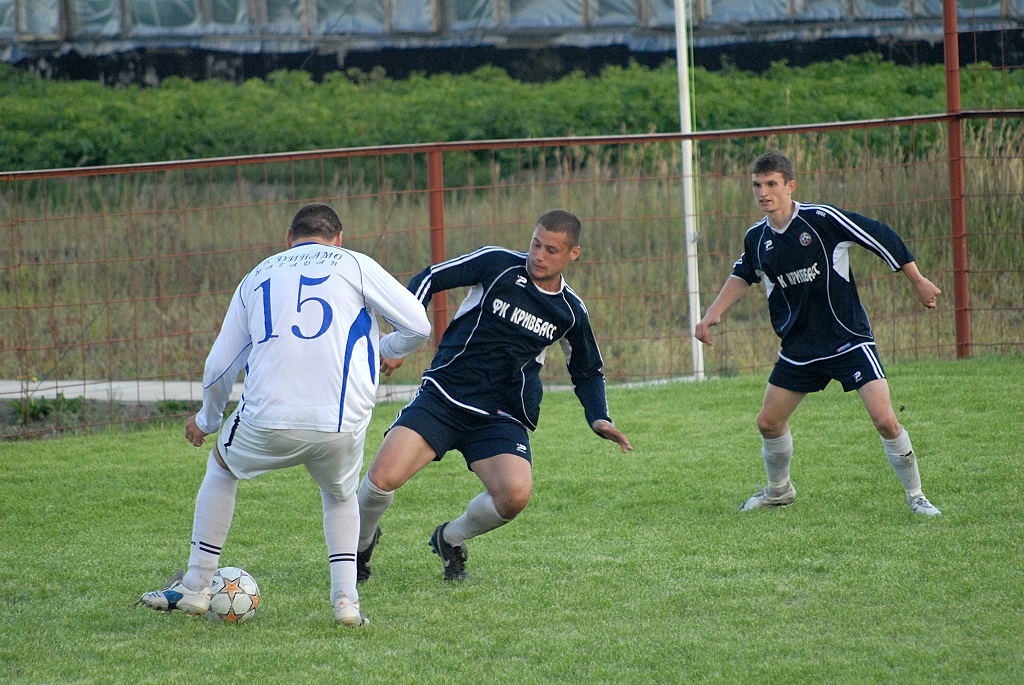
334 460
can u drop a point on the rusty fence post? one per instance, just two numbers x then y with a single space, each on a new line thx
435 191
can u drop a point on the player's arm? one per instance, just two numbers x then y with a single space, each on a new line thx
609 432
583 359
227 358
590 391
925 290
468 270
734 289
887 244
398 307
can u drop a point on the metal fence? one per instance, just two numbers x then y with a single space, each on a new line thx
114 280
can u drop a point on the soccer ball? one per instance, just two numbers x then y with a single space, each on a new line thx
234 596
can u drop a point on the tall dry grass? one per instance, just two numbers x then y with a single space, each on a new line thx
128 276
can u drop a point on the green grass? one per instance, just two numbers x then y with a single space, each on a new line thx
633 568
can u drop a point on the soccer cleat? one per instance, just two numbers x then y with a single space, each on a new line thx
768 497
921 505
346 613
454 558
177 596
363 558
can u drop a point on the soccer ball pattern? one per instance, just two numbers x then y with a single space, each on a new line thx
234 596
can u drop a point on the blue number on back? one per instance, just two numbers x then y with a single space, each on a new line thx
268 324
327 311
268 319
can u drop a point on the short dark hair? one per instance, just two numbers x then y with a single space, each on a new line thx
773 161
561 221
316 220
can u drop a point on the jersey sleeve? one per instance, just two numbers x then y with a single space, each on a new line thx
744 268
227 358
583 359
874 235
468 270
396 305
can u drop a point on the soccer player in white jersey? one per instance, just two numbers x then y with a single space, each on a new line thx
303 326
800 252
482 392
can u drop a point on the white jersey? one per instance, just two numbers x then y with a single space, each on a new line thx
303 326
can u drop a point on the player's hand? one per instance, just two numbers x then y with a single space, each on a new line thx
193 433
609 432
387 365
702 331
926 292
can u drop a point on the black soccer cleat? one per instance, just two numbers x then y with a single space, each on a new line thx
363 559
454 558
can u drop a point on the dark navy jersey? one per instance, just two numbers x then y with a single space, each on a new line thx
490 356
812 295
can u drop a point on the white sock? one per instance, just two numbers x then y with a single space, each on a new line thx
901 456
373 502
480 516
341 529
215 507
777 453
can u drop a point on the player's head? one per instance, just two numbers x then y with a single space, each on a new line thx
561 221
771 162
315 221
555 243
773 184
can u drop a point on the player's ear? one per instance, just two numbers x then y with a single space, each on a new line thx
574 253
288 238
337 239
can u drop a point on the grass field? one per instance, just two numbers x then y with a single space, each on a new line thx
623 569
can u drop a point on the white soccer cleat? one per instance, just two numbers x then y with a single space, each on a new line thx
177 596
921 505
768 497
346 613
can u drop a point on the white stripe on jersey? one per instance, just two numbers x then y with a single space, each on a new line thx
473 299
454 401
841 259
866 237
424 287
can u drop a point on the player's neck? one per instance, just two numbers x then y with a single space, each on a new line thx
780 218
551 284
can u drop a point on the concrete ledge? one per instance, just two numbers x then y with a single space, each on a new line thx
148 391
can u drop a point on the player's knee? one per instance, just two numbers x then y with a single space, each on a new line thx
385 481
769 426
887 426
510 503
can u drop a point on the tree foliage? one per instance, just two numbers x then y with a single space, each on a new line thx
57 124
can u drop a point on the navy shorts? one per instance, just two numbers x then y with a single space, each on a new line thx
853 369
447 427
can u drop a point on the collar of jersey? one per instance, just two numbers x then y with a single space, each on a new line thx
780 231
311 242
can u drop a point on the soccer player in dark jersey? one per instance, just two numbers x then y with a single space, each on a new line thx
482 392
800 252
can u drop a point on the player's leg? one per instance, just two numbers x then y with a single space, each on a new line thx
896 442
776 409
509 482
402 454
776 447
498 452
341 530
215 507
334 461
508 479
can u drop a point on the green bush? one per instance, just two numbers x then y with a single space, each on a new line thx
56 124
